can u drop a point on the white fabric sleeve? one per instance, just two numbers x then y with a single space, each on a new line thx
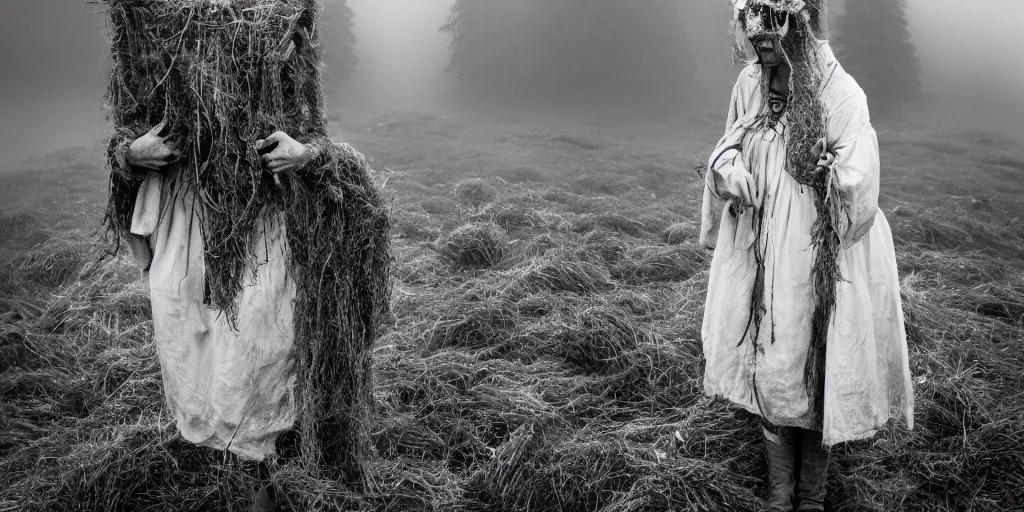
713 205
856 167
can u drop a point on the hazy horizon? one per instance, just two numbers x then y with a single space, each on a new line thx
53 54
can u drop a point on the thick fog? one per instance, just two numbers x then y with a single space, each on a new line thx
52 61
51 77
402 55
973 61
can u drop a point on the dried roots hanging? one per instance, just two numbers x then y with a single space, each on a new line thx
806 128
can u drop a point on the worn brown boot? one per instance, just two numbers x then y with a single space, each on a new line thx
813 467
782 458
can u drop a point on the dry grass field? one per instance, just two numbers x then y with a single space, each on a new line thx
544 352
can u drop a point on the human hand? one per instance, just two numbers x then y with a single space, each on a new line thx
826 158
285 153
152 151
736 185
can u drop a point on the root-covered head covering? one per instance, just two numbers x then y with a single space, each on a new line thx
773 19
222 77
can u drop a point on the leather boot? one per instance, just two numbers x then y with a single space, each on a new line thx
782 471
813 467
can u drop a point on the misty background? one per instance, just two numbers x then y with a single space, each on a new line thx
53 61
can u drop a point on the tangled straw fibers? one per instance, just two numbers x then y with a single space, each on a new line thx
807 125
678 233
470 427
599 337
222 77
478 245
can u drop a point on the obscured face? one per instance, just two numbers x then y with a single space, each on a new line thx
766 27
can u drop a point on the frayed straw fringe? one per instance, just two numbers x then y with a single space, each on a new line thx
223 78
806 116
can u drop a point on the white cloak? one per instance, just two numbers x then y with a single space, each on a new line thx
867 375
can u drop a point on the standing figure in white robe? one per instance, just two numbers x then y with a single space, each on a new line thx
265 242
228 387
760 221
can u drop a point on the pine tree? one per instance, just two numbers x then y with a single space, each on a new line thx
487 42
874 45
339 40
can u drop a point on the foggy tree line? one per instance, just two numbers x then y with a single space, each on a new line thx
610 51
337 27
874 45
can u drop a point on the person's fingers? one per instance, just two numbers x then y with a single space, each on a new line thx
826 162
154 165
275 158
277 154
820 146
738 206
157 129
260 144
158 161
277 136
277 167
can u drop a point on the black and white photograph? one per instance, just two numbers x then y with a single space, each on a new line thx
512 255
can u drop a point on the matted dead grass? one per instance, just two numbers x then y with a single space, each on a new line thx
566 377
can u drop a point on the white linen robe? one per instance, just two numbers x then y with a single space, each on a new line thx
867 375
227 390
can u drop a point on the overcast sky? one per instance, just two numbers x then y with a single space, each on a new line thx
51 55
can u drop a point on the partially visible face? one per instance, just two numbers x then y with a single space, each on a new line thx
765 28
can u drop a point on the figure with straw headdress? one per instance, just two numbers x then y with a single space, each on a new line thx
803 323
265 242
